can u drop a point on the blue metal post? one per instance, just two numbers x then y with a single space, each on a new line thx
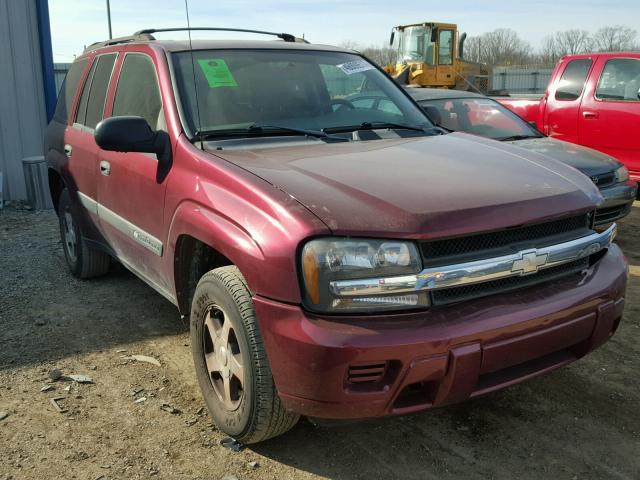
46 57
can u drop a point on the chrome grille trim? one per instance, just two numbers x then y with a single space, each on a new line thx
521 263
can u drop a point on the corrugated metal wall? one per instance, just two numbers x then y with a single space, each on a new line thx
521 80
60 71
22 110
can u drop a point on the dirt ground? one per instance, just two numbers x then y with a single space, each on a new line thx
581 422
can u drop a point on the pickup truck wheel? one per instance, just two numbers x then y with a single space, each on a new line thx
231 362
83 261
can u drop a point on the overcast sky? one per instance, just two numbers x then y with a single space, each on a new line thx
76 23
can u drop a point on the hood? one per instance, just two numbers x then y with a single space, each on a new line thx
588 161
424 187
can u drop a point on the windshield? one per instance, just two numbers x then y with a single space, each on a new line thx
415 45
312 90
480 116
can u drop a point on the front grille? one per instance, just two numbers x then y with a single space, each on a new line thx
610 214
503 242
468 292
604 180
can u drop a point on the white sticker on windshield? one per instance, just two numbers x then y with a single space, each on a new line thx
356 66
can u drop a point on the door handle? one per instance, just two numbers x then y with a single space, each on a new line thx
105 168
68 150
590 114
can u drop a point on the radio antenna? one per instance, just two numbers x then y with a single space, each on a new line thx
195 83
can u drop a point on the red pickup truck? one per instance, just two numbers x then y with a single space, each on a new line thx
592 100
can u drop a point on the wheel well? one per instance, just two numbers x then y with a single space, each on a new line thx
193 259
56 185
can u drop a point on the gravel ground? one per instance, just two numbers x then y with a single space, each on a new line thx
581 422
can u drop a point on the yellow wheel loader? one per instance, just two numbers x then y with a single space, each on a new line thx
431 55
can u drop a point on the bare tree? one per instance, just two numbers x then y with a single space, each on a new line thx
572 42
615 38
383 56
500 47
549 52
472 46
349 44
503 47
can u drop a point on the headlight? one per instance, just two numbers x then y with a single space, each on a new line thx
330 259
622 174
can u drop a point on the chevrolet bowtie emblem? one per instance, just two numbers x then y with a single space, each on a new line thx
529 262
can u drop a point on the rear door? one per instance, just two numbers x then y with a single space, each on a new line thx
80 147
131 201
610 112
563 103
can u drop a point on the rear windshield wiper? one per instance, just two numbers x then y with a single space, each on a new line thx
376 125
268 129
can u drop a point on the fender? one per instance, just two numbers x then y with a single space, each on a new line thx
237 244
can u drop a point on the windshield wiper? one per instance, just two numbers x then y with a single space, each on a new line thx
376 125
513 138
271 129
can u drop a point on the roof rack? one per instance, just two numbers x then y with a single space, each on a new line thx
136 37
287 37
146 35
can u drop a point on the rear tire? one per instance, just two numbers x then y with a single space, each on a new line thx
83 261
231 362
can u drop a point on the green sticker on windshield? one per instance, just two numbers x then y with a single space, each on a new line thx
217 73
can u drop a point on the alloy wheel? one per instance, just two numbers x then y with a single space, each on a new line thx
70 240
223 358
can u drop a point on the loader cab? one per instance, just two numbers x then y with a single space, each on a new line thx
426 54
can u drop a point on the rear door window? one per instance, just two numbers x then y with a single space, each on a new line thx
98 93
620 80
573 79
68 91
137 92
81 113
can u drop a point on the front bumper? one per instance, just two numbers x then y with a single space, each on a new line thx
362 367
617 202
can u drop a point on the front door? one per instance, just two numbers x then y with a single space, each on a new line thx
131 201
610 112
563 106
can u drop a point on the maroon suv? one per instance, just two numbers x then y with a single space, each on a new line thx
337 258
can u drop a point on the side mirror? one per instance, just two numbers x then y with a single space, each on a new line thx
434 35
392 38
126 134
133 134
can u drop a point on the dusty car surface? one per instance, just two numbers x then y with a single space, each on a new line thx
335 261
479 115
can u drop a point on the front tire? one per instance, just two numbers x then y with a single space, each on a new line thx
231 362
83 261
